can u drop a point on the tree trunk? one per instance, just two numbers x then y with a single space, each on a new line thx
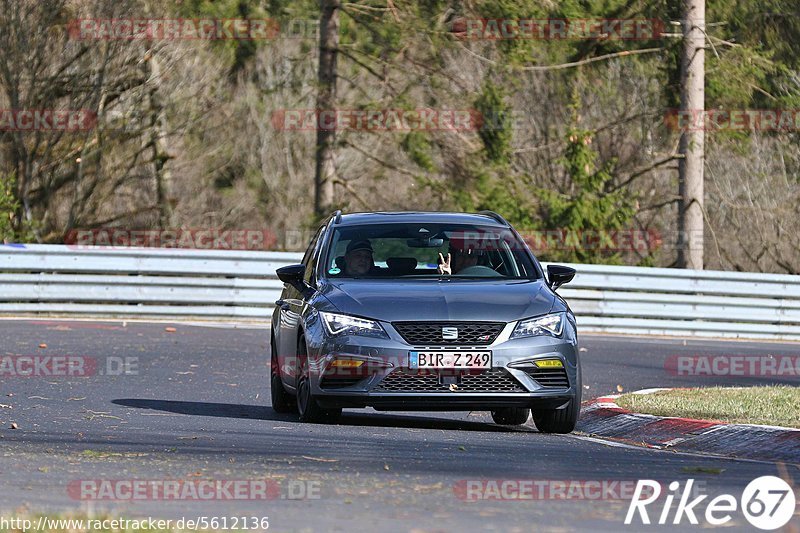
325 173
690 168
158 143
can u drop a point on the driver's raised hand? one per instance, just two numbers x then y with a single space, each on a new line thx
444 265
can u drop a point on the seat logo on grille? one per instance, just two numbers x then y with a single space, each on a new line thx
449 334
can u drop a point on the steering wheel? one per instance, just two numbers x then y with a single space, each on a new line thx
479 271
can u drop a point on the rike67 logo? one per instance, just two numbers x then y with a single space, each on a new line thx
768 503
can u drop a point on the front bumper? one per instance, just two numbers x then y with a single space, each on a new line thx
385 381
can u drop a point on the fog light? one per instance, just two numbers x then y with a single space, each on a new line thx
347 363
549 363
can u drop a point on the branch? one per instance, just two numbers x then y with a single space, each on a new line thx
572 64
363 8
352 192
378 160
115 218
645 171
594 59
660 204
363 65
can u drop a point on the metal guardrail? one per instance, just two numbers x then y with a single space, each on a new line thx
140 282
240 286
665 301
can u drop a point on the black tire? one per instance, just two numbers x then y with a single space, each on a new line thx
561 420
558 420
282 401
307 406
511 416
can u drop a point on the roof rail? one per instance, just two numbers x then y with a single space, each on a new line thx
495 216
337 216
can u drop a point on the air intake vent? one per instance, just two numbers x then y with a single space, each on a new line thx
551 378
339 382
494 380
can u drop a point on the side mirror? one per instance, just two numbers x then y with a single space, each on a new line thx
559 275
293 275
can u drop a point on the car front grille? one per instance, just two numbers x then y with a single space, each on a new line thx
549 378
430 333
492 380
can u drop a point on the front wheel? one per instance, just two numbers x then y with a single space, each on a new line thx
307 406
557 420
511 416
282 401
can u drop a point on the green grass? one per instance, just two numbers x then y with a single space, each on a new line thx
773 406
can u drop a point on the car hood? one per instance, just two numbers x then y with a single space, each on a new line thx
434 299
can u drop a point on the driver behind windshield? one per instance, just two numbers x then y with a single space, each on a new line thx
358 258
458 259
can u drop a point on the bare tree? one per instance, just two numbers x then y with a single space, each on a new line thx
325 173
690 222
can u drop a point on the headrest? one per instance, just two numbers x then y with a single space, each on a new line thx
401 265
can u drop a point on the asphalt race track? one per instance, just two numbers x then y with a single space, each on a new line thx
194 405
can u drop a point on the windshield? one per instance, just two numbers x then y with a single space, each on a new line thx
417 250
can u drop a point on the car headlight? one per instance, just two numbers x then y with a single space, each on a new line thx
337 325
552 325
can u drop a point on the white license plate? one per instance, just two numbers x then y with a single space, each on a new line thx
446 359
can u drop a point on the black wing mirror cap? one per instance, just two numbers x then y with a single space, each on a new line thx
293 275
559 275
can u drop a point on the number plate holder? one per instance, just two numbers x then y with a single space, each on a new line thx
450 359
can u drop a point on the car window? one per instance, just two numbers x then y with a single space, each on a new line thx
409 250
311 246
309 256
